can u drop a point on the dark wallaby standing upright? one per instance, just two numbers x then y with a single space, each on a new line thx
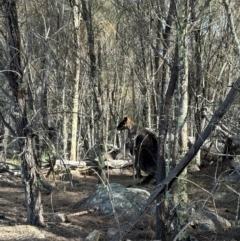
143 144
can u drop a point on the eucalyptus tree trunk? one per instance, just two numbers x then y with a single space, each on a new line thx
2 142
230 9
43 130
198 91
95 78
65 116
76 23
180 192
166 91
21 130
141 68
45 77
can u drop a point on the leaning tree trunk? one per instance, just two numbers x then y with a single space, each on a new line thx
21 128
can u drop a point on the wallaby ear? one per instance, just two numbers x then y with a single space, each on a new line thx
125 119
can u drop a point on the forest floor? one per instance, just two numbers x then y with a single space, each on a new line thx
13 214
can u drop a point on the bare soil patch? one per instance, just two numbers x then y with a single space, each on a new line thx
13 214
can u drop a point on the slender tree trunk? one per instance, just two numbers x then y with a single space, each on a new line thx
96 83
198 79
76 23
44 90
32 191
2 142
21 130
180 191
65 116
166 94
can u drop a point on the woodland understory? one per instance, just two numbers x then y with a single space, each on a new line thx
70 70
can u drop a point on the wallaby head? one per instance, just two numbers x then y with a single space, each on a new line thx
126 123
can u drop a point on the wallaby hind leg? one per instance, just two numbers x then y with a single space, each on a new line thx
138 173
147 161
136 164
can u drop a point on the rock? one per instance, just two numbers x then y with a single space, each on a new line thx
111 232
206 220
192 238
59 218
93 236
222 197
116 197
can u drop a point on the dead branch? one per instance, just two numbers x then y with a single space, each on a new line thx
83 212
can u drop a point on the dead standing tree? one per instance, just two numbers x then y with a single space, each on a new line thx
172 176
13 72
